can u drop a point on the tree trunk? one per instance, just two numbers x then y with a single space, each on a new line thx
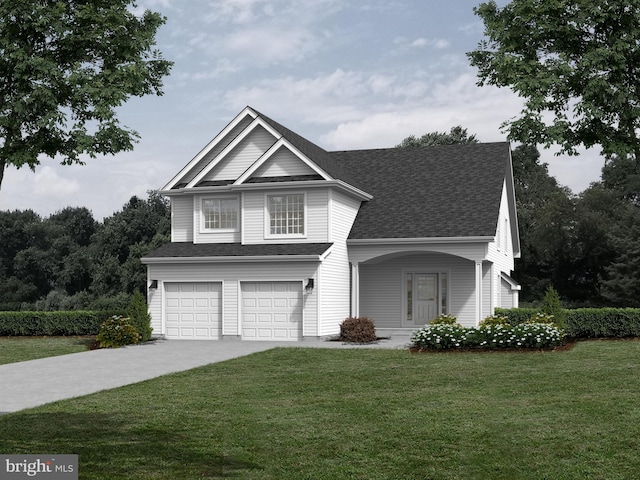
2 165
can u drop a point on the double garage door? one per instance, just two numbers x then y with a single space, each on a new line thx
269 310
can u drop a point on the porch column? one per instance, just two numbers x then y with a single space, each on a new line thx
478 292
355 289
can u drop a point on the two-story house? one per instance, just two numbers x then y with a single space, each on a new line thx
273 237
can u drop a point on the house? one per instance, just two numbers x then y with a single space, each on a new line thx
272 237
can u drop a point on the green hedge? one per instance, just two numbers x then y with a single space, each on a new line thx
588 322
74 322
517 316
603 322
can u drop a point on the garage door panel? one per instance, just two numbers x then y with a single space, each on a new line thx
271 310
192 310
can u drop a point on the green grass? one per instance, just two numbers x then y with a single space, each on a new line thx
358 414
19 349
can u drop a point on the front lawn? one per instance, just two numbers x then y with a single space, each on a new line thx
295 413
19 349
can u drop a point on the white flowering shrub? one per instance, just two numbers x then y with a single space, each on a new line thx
526 335
440 336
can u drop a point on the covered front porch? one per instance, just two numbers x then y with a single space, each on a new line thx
403 290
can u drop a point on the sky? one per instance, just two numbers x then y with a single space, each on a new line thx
344 74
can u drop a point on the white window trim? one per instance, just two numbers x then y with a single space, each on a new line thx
267 218
201 223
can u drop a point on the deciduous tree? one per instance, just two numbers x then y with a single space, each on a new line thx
65 66
576 64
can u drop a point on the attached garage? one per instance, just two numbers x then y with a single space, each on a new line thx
271 310
193 310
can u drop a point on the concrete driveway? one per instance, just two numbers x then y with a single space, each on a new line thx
36 382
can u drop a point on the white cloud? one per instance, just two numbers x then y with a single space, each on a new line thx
49 184
266 45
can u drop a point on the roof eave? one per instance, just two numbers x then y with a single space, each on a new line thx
235 259
271 186
416 241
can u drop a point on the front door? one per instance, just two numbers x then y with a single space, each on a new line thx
425 299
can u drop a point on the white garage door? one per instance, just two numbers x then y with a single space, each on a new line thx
193 310
272 311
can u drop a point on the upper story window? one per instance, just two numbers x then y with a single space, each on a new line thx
286 214
219 214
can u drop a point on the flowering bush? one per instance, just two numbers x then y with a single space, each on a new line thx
529 335
440 336
444 319
117 332
494 320
541 318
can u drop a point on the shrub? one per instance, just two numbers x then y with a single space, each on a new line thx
444 319
603 322
139 316
493 320
440 336
77 322
358 330
117 332
516 316
551 305
541 317
533 335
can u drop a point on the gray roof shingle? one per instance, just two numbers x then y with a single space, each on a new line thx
422 192
188 249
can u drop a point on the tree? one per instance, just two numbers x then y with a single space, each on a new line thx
65 67
577 65
456 135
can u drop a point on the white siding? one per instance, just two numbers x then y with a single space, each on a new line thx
254 213
283 163
334 279
382 294
470 251
182 219
221 145
154 303
242 156
501 250
231 274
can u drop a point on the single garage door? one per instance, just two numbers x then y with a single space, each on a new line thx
193 310
272 310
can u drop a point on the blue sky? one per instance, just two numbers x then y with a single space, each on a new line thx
344 74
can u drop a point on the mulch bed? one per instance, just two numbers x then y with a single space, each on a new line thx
567 345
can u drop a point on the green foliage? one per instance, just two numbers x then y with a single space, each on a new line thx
603 322
575 63
552 306
443 337
117 332
444 319
440 336
52 323
69 261
358 330
493 320
541 317
516 316
67 67
457 135
139 316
